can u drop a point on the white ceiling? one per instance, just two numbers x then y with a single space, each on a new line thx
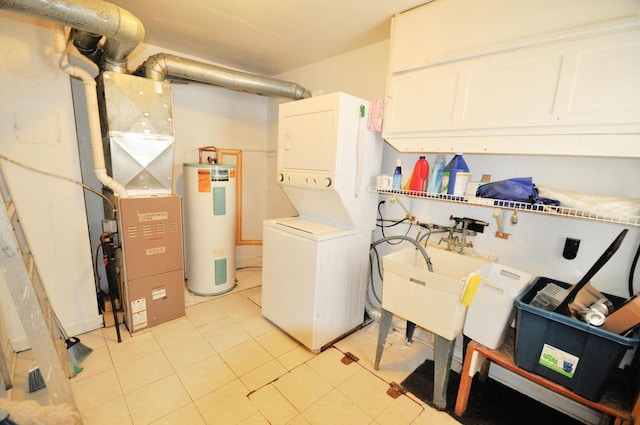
265 36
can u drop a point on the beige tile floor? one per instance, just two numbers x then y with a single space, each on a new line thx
223 363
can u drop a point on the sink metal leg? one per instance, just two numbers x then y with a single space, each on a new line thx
408 336
443 358
385 326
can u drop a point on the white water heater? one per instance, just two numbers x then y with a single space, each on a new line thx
210 222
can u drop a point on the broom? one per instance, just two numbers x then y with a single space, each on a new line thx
78 352
36 381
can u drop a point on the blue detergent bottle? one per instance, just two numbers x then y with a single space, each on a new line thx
455 176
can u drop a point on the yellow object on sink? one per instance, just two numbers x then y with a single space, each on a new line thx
432 300
470 289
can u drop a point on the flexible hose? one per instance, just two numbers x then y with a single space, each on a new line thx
413 241
373 312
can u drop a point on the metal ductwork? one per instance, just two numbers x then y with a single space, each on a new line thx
123 31
87 45
143 147
159 67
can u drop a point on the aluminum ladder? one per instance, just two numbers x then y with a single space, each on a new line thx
32 304
5 374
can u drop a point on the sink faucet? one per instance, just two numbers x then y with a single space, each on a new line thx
454 241
465 227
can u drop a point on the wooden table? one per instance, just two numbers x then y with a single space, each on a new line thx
476 359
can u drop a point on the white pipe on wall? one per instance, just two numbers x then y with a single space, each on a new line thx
91 97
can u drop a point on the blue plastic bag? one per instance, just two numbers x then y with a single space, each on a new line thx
519 189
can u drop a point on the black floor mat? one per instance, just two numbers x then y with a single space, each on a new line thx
490 403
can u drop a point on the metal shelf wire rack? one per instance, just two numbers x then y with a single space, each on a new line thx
549 210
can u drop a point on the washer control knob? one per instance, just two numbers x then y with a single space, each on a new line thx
327 181
280 177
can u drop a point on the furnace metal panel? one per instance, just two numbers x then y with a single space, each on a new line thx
151 235
135 105
136 115
150 231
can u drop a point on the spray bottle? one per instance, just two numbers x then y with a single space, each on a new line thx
397 176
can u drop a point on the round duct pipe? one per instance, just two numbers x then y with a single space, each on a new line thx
160 66
123 30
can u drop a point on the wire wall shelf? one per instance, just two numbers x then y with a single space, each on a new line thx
549 210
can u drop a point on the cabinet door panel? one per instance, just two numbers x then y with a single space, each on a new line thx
445 30
424 99
509 87
606 86
517 90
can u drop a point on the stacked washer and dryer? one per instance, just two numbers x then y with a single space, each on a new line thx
315 265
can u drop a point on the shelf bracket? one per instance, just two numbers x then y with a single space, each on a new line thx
395 198
498 214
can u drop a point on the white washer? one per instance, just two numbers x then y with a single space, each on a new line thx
314 279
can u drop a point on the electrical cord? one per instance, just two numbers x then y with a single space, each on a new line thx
395 223
96 275
59 176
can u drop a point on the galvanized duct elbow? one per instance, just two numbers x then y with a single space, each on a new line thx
123 30
87 45
158 67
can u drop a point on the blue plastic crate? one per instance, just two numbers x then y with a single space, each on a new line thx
572 353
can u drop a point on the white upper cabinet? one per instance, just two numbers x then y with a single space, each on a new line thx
505 76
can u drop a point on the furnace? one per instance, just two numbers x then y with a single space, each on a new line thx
138 137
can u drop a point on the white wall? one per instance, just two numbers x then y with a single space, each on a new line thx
37 128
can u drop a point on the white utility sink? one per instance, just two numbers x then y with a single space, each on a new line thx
431 300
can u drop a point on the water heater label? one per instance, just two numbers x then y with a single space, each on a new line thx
204 180
156 250
220 175
152 216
